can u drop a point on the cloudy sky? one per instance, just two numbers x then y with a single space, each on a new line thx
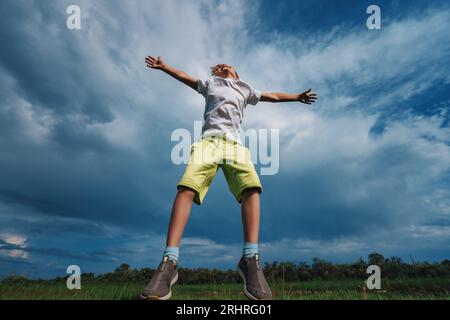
85 131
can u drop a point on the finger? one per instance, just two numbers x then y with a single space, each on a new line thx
309 90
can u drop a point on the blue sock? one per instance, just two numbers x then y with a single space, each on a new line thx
250 249
172 253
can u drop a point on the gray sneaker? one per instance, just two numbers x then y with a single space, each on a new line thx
160 287
255 284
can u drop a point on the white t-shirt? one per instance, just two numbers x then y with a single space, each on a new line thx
226 99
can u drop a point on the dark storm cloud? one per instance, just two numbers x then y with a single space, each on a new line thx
52 187
8 246
47 77
355 195
96 256
43 205
14 262
44 65
75 171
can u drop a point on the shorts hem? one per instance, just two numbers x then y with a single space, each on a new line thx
250 186
192 186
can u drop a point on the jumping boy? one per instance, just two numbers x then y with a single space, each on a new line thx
226 97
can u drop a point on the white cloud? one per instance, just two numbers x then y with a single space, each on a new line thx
14 245
430 232
14 239
350 70
18 254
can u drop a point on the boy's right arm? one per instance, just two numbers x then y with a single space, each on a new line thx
158 63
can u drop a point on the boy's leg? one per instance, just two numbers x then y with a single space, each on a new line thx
159 287
255 284
250 221
250 211
180 213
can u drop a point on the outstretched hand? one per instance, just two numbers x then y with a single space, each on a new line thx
154 63
307 97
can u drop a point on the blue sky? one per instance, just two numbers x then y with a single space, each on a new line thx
85 170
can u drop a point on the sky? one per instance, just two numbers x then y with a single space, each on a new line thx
86 176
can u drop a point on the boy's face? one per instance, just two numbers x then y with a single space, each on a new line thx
225 71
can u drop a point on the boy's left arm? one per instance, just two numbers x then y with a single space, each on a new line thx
307 97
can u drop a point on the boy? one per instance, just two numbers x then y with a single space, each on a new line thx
226 96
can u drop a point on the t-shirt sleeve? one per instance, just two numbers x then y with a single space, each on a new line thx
254 97
202 86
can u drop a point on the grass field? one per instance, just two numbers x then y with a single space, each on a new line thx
426 288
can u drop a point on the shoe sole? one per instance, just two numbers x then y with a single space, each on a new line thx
167 296
247 294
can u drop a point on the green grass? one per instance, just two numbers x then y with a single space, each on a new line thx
425 288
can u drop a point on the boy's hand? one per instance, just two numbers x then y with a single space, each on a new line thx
154 63
307 97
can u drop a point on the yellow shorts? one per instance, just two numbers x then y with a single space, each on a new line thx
212 152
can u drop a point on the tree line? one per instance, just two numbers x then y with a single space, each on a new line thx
391 268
